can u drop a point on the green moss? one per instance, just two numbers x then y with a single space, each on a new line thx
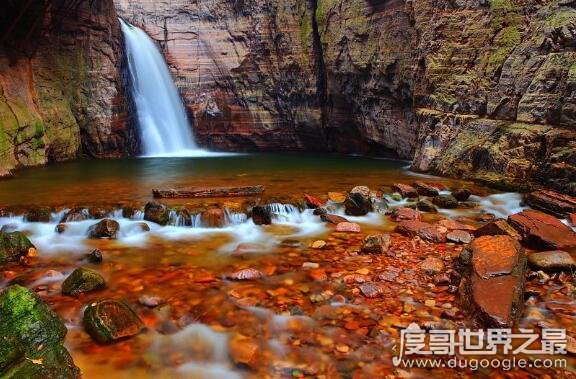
13 246
323 11
560 18
31 337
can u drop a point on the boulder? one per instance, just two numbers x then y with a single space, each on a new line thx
313 202
405 190
429 232
13 246
492 287
358 202
129 212
32 338
157 213
542 231
39 214
106 228
82 280
425 189
261 215
432 265
376 244
497 228
76 214
348 227
552 202
333 219
406 214
445 201
426 206
108 321
213 218
556 260
461 194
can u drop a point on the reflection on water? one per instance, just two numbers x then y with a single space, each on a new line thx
125 180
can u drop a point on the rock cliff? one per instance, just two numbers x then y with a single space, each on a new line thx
61 93
475 88
484 89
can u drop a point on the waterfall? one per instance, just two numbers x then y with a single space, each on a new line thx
164 126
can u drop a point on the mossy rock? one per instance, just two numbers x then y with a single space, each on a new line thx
39 214
108 321
13 246
157 213
31 337
82 280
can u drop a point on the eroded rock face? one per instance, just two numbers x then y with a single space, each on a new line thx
470 88
492 286
63 96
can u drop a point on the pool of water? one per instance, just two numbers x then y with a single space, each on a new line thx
126 180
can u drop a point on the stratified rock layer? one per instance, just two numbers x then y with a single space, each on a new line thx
61 91
480 89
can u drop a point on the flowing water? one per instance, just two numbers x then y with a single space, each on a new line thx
164 127
193 334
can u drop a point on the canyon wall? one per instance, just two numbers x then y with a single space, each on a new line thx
483 89
61 91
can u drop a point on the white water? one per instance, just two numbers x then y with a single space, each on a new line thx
164 126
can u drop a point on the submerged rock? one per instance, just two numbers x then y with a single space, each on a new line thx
542 231
425 189
445 201
108 321
82 280
106 228
348 227
556 260
39 214
423 230
406 214
376 244
246 274
157 213
32 337
94 257
261 215
358 202
432 265
493 270
13 246
61 228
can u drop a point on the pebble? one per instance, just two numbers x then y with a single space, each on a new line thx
430 303
318 244
311 265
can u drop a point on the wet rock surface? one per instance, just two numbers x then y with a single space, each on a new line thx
445 201
82 280
358 202
157 213
108 321
13 246
423 230
492 285
106 228
542 231
551 202
32 338
552 261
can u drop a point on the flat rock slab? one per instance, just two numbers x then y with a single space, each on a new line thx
555 203
551 261
492 289
405 190
498 228
542 231
429 232
203 192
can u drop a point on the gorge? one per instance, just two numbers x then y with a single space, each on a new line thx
287 189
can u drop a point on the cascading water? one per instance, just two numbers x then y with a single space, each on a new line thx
164 126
